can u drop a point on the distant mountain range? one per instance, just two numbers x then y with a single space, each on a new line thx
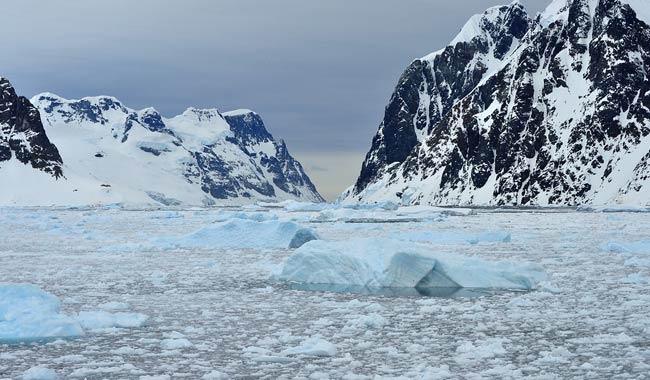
521 110
55 151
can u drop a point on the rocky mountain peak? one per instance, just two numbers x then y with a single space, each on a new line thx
22 136
560 116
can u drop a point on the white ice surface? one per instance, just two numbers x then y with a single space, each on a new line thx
590 320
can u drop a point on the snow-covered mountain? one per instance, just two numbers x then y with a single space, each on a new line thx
99 152
520 110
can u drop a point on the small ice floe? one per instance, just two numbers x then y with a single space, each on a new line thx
175 341
97 320
114 306
446 237
635 247
244 233
314 346
28 313
614 208
382 263
40 373
423 209
215 375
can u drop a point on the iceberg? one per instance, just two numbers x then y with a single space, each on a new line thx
396 264
245 233
29 314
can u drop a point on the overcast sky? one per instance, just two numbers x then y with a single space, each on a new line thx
320 72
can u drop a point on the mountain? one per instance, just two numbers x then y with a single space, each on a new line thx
22 136
519 110
101 152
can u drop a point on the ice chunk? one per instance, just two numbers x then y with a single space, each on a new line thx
27 313
390 263
95 320
40 373
301 237
245 233
313 346
175 343
637 247
214 375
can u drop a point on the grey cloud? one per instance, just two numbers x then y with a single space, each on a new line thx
319 72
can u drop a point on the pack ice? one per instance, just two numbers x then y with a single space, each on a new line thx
28 313
390 263
245 233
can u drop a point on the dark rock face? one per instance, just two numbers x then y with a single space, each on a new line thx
22 135
523 112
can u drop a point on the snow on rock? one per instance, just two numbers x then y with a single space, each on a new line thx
28 313
506 113
95 320
245 233
40 373
314 346
390 263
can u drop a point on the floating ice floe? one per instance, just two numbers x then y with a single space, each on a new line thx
428 210
614 208
636 247
40 373
96 320
313 346
296 206
444 237
28 313
389 263
244 233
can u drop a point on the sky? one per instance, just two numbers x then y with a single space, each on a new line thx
320 73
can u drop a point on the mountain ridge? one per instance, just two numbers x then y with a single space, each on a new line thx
499 117
110 153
